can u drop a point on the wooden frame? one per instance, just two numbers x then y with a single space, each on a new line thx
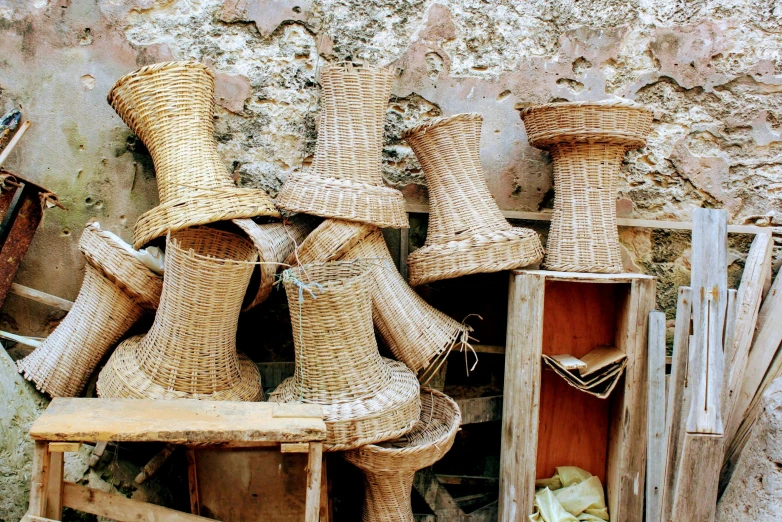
526 407
68 422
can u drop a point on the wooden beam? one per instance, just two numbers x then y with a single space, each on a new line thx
154 464
655 418
295 447
41 297
117 507
518 453
480 409
695 497
14 141
55 490
97 452
314 471
417 208
39 479
748 299
710 298
64 447
678 399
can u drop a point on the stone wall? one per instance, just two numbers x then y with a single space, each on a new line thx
711 70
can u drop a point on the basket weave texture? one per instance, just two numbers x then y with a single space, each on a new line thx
467 232
274 243
345 180
587 142
416 333
389 468
170 106
365 397
114 293
190 351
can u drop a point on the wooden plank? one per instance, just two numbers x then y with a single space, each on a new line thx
39 479
119 508
54 490
41 297
710 294
579 277
14 141
418 208
524 345
695 494
468 480
655 445
97 453
730 333
626 470
192 481
488 348
314 470
761 355
748 301
480 409
295 447
176 421
154 464
678 398
64 447
31 518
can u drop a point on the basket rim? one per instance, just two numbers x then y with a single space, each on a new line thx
171 242
363 268
155 68
620 103
441 121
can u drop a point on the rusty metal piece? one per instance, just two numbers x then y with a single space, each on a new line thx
21 205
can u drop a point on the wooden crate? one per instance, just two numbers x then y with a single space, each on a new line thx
546 422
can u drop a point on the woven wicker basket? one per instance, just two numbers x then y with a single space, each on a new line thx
190 351
389 468
417 334
170 107
365 397
467 232
345 180
587 141
274 242
115 291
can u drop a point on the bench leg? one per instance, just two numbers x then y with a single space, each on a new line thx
314 470
39 479
55 485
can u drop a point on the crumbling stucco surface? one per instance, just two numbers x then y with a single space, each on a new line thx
755 491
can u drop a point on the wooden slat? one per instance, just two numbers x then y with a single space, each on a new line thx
695 494
175 421
41 297
578 277
747 307
295 447
710 293
764 347
314 470
55 489
655 446
39 479
480 409
522 392
119 508
678 399
418 208
64 447
32 518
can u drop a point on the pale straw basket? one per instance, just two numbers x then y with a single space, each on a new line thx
170 107
416 333
467 232
389 467
116 290
345 180
365 397
587 142
190 351
274 243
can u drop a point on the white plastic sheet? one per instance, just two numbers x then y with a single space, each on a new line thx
571 495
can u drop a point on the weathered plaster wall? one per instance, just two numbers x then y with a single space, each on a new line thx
710 69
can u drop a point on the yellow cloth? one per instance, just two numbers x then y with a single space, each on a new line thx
571 495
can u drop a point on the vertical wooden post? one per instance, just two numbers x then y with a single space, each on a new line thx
192 480
655 445
55 485
39 479
325 493
314 470
521 396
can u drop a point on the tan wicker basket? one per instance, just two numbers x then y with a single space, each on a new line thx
114 293
365 397
190 351
274 242
389 468
416 333
467 232
587 141
170 107
345 180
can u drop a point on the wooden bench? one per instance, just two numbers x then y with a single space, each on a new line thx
69 422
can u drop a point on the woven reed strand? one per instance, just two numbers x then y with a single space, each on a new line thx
415 332
467 232
389 468
101 314
587 142
191 346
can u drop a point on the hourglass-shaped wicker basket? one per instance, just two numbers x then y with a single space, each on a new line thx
587 142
